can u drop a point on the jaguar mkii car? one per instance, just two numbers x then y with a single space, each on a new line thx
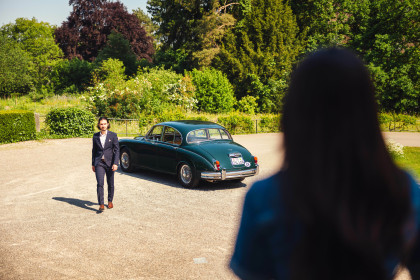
192 150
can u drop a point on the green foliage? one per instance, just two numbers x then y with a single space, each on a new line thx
71 76
237 123
248 104
70 121
151 91
17 126
263 43
15 67
269 123
37 40
117 47
395 122
111 70
213 91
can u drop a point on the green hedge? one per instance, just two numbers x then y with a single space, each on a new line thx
17 126
237 123
396 122
70 122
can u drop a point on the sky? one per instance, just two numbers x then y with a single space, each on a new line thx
52 11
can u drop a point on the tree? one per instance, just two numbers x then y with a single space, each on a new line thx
15 65
384 32
190 31
147 23
90 23
37 40
119 48
263 43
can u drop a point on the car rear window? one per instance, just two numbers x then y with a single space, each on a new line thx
210 134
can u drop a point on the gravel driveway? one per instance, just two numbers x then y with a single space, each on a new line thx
50 229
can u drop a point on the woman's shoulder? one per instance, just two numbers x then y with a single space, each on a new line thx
264 196
414 192
268 186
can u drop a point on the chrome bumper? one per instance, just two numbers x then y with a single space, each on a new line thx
228 175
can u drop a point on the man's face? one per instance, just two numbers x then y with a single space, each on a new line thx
103 125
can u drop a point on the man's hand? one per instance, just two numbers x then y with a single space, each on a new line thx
93 168
114 167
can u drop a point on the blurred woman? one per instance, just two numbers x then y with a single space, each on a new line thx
339 208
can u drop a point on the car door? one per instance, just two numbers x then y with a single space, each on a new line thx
147 155
166 151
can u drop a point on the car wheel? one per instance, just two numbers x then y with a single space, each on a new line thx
125 161
186 176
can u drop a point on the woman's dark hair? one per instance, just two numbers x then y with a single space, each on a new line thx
350 198
103 118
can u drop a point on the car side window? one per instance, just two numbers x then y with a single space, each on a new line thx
171 135
214 134
196 136
155 134
225 134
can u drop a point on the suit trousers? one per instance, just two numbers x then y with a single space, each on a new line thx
100 171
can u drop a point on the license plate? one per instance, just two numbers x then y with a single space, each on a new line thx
237 161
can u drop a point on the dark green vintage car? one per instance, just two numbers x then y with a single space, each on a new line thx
193 150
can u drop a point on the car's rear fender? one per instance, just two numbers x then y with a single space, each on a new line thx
198 162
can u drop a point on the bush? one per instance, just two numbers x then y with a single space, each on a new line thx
396 121
152 91
269 123
17 126
237 124
71 76
248 104
70 122
213 91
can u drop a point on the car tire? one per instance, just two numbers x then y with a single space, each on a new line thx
187 177
125 161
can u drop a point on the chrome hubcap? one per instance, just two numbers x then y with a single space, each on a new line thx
125 160
186 174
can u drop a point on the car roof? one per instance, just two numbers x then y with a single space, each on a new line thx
186 126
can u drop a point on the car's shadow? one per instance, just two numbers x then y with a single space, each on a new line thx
172 181
85 204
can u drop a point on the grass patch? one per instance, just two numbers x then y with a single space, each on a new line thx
44 106
411 161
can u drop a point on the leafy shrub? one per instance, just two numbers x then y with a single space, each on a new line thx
111 70
248 104
396 121
70 122
213 91
237 123
269 123
152 91
17 126
71 76
269 96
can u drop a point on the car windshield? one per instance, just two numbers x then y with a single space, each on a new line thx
208 134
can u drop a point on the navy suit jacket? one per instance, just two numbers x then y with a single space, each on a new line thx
111 151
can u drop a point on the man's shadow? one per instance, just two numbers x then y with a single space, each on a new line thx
85 204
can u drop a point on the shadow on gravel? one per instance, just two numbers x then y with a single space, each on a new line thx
172 181
85 204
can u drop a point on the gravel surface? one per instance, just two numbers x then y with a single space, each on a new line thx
50 228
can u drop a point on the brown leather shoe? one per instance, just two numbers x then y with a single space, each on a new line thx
110 205
101 208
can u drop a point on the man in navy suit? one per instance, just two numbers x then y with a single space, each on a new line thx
105 159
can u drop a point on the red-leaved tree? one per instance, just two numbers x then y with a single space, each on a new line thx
86 30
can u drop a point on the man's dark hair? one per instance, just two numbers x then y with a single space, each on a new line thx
103 118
